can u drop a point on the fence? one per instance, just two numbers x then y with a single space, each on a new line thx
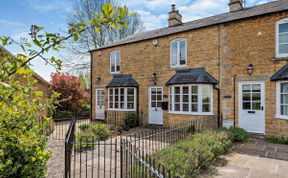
129 156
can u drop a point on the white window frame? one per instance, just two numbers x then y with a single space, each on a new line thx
199 103
278 101
278 23
115 60
125 99
178 56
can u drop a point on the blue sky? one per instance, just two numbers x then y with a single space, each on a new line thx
16 16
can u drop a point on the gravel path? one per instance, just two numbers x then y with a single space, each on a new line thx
56 163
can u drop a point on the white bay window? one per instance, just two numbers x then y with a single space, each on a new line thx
191 99
282 100
122 99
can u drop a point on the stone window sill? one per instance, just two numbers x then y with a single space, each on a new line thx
280 59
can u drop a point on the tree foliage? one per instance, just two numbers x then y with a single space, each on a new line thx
23 146
77 59
72 94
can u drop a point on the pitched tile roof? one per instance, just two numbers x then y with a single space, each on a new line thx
192 76
277 6
281 74
122 81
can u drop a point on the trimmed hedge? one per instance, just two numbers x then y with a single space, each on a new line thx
189 157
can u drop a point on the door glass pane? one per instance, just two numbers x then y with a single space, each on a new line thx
283 27
246 106
159 104
256 88
153 104
284 87
153 97
246 88
159 98
256 97
256 106
246 96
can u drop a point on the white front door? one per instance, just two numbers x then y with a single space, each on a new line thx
100 108
252 106
155 105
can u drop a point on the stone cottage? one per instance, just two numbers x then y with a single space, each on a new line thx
229 67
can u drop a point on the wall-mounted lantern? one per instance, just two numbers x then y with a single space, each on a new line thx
250 69
154 78
98 79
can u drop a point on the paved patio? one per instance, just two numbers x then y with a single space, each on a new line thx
253 159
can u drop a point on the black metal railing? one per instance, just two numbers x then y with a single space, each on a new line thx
125 157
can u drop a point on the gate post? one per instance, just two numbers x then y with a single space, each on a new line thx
121 157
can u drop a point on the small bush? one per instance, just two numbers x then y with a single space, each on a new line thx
277 140
119 129
239 134
188 157
84 141
100 131
131 120
84 127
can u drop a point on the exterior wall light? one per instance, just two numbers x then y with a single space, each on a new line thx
250 69
154 78
98 79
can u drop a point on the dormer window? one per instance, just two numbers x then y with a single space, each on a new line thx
115 62
178 53
282 38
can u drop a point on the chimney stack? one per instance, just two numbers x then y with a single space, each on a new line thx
235 5
175 18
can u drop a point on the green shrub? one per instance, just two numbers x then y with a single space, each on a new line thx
100 131
62 114
84 141
239 134
131 120
85 107
188 157
84 127
277 140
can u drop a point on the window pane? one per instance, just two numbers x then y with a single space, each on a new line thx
177 107
130 98
206 108
206 99
130 105
283 27
206 90
194 108
194 98
130 91
185 107
112 68
182 52
284 87
185 90
177 98
246 96
185 98
256 97
246 106
122 105
284 110
173 53
284 99
283 49
283 38
256 106
246 88
177 90
194 90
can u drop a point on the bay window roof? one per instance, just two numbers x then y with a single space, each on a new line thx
122 81
192 76
281 74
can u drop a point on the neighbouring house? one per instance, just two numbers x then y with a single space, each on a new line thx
41 85
230 67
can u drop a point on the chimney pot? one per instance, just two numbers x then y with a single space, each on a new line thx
175 17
